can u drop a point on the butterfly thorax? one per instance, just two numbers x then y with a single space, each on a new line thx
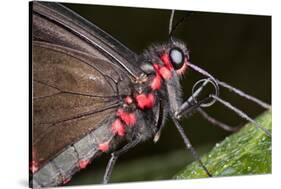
143 112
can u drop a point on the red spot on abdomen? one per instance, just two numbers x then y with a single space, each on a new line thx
118 127
145 101
66 180
83 163
34 166
128 117
104 147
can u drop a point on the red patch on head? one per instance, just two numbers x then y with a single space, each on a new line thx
83 163
182 70
165 73
118 127
104 147
128 100
34 166
128 117
145 101
156 82
166 60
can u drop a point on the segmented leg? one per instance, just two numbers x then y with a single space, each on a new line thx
241 114
216 122
186 105
189 145
114 157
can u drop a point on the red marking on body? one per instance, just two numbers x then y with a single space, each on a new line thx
166 60
145 101
83 163
65 180
34 166
165 73
156 82
182 70
104 147
128 117
128 100
118 127
156 67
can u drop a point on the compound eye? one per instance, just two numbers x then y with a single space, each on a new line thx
177 58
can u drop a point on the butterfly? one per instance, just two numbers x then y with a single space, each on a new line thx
92 95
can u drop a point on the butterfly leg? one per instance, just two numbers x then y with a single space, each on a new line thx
227 104
189 145
114 157
241 114
216 122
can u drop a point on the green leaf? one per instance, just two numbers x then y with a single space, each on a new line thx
243 153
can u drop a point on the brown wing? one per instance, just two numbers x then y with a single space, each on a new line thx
57 24
78 75
72 94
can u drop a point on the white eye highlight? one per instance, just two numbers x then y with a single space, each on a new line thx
177 58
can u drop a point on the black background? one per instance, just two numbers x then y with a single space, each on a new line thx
234 48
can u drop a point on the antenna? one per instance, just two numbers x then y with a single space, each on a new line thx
173 27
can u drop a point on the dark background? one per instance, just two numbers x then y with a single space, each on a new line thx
234 48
